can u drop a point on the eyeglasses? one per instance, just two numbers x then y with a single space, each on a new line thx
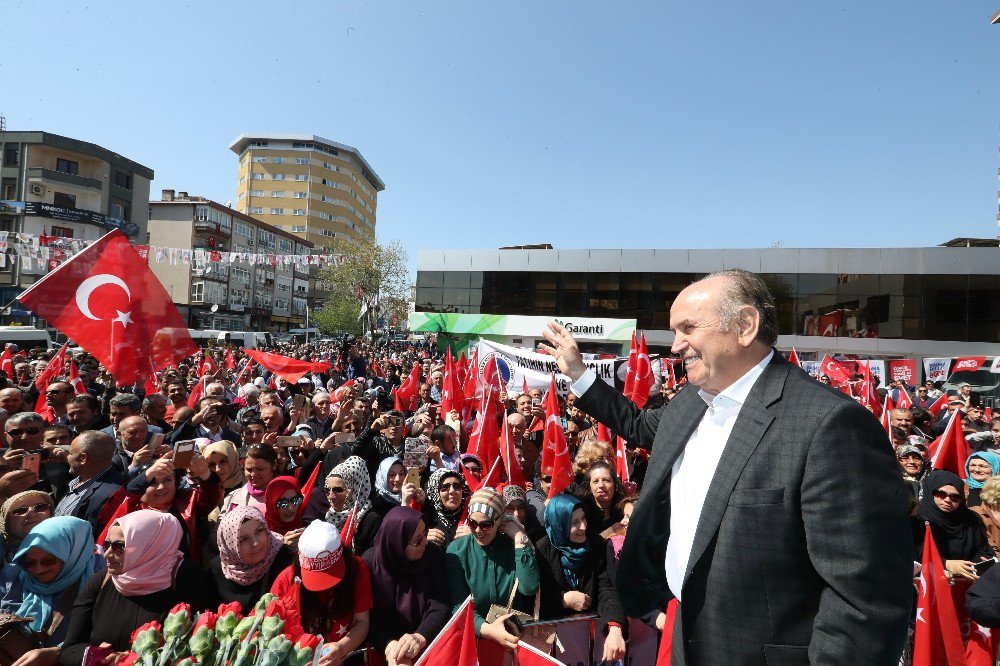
44 562
335 490
450 486
114 546
545 479
41 507
55 392
954 497
473 469
17 432
286 502
485 525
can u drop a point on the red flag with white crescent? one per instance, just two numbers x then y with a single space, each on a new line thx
555 452
74 378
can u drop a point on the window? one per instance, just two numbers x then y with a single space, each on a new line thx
11 157
302 160
260 144
331 183
331 167
259 176
244 229
285 244
119 210
67 166
284 287
260 160
123 179
197 292
298 211
301 177
243 179
64 200
257 211
301 195
62 232
256 193
280 160
277 194
277 211
278 176
298 230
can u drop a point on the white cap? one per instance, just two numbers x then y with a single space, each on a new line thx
321 556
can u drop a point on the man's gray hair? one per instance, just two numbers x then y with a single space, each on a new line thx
742 289
24 418
130 400
95 443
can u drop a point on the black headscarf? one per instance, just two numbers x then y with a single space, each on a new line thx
959 534
399 586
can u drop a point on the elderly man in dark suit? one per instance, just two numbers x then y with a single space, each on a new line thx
772 508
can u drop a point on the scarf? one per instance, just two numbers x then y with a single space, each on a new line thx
152 557
382 481
399 586
12 543
558 521
233 568
257 495
72 541
447 520
991 458
959 533
226 447
275 489
358 486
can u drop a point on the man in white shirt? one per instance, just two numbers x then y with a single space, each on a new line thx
772 508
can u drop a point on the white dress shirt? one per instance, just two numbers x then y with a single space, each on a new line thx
694 469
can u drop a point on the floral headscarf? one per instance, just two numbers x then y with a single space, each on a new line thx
12 543
233 567
354 472
447 521
382 481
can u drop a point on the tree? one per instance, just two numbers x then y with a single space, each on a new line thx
368 274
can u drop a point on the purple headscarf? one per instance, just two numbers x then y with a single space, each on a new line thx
399 586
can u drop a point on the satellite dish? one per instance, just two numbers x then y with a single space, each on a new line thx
215 307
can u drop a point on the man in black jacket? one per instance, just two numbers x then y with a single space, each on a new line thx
772 508
89 459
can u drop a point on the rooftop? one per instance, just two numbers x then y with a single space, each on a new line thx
239 144
77 146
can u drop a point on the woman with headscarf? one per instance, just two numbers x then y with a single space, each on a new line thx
146 576
410 607
389 480
224 460
259 467
515 500
979 467
250 558
958 532
283 508
914 467
19 514
487 565
349 488
574 573
53 563
448 495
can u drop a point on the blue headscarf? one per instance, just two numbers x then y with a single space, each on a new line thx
558 521
991 458
72 541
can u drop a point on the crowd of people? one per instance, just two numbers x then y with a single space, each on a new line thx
307 490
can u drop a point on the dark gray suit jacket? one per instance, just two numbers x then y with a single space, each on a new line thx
802 553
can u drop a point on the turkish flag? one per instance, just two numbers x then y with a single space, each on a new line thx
829 323
835 370
886 410
667 635
74 378
950 450
483 442
108 300
208 365
55 367
197 393
7 362
452 391
633 355
532 656
904 400
471 386
621 462
968 363
288 368
555 452
939 405
455 645
979 650
937 638
515 476
643 379
793 357
230 360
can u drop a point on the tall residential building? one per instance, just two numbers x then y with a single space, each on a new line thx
221 295
312 187
53 185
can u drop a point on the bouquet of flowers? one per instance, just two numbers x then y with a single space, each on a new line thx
222 638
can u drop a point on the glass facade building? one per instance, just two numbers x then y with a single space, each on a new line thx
909 294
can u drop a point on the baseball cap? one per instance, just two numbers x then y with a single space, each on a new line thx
321 556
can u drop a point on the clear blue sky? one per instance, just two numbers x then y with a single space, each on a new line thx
582 124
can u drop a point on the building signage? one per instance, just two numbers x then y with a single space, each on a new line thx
586 328
513 367
80 216
936 369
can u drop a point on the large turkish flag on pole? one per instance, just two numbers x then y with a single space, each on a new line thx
110 303
288 368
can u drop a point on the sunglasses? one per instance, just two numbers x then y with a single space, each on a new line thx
17 432
288 502
336 490
37 508
55 392
485 525
954 497
473 469
114 546
545 479
450 486
44 562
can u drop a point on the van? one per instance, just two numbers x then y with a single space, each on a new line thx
25 337
215 338
984 383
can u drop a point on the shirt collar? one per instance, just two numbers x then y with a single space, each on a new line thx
737 392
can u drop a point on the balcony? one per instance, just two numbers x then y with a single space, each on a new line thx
60 177
207 225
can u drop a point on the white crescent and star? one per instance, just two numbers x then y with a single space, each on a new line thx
87 287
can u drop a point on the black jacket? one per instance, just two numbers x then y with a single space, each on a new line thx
594 582
93 497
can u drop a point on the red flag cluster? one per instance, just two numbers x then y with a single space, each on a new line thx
555 452
288 368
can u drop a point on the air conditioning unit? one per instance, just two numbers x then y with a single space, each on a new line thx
37 190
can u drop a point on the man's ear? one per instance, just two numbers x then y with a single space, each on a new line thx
747 325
